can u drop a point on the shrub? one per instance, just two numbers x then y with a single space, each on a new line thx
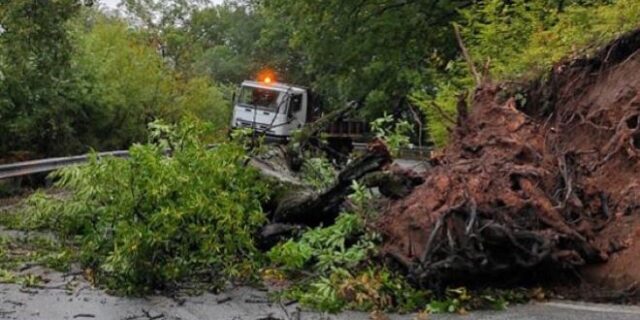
153 220
127 84
323 249
334 260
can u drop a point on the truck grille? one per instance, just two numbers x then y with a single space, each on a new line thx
258 126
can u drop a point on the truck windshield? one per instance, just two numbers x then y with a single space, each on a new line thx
262 98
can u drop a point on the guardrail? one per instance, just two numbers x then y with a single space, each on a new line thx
47 165
26 168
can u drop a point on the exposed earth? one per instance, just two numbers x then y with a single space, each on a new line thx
539 177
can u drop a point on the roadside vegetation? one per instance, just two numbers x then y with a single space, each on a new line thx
330 267
150 221
73 79
104 76
516 40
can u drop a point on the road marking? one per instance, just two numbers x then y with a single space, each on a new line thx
595 308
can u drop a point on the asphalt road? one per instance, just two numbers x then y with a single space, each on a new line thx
246 304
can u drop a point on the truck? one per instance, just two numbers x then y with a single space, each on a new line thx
278 109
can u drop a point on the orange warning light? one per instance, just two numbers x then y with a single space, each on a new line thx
266 76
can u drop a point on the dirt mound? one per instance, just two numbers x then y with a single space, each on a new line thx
550 182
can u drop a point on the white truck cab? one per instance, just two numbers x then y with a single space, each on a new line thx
276 109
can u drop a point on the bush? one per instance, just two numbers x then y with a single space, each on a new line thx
336 256
89 81
323 249
521 38
368 289
128 84
153 220
336 273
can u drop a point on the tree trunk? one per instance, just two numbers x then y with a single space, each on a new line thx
305 206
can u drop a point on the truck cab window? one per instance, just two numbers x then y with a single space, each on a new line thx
295 104
261 98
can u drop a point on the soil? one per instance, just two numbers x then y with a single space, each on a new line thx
550 182
621 270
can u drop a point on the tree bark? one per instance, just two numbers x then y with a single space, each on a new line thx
305 206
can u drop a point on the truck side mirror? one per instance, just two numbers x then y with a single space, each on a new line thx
233 98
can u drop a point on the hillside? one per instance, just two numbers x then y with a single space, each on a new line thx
533 185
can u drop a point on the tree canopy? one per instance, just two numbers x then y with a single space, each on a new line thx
375 51
35 76
74 76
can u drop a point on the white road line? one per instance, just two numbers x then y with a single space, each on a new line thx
595 308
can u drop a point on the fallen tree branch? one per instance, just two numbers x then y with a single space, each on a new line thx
305 206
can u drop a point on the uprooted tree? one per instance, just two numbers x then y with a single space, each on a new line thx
296 204
551 181
546 182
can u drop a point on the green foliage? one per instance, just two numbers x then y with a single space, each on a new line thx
323 249
152 220
318 172
219 41
88 81
545 33
7 276
35 76
344 244
42 211
18 253
30 281
394 133
369 289
360 198
521 38
454 303
129 85
440 105
375 51
228 39
527 37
